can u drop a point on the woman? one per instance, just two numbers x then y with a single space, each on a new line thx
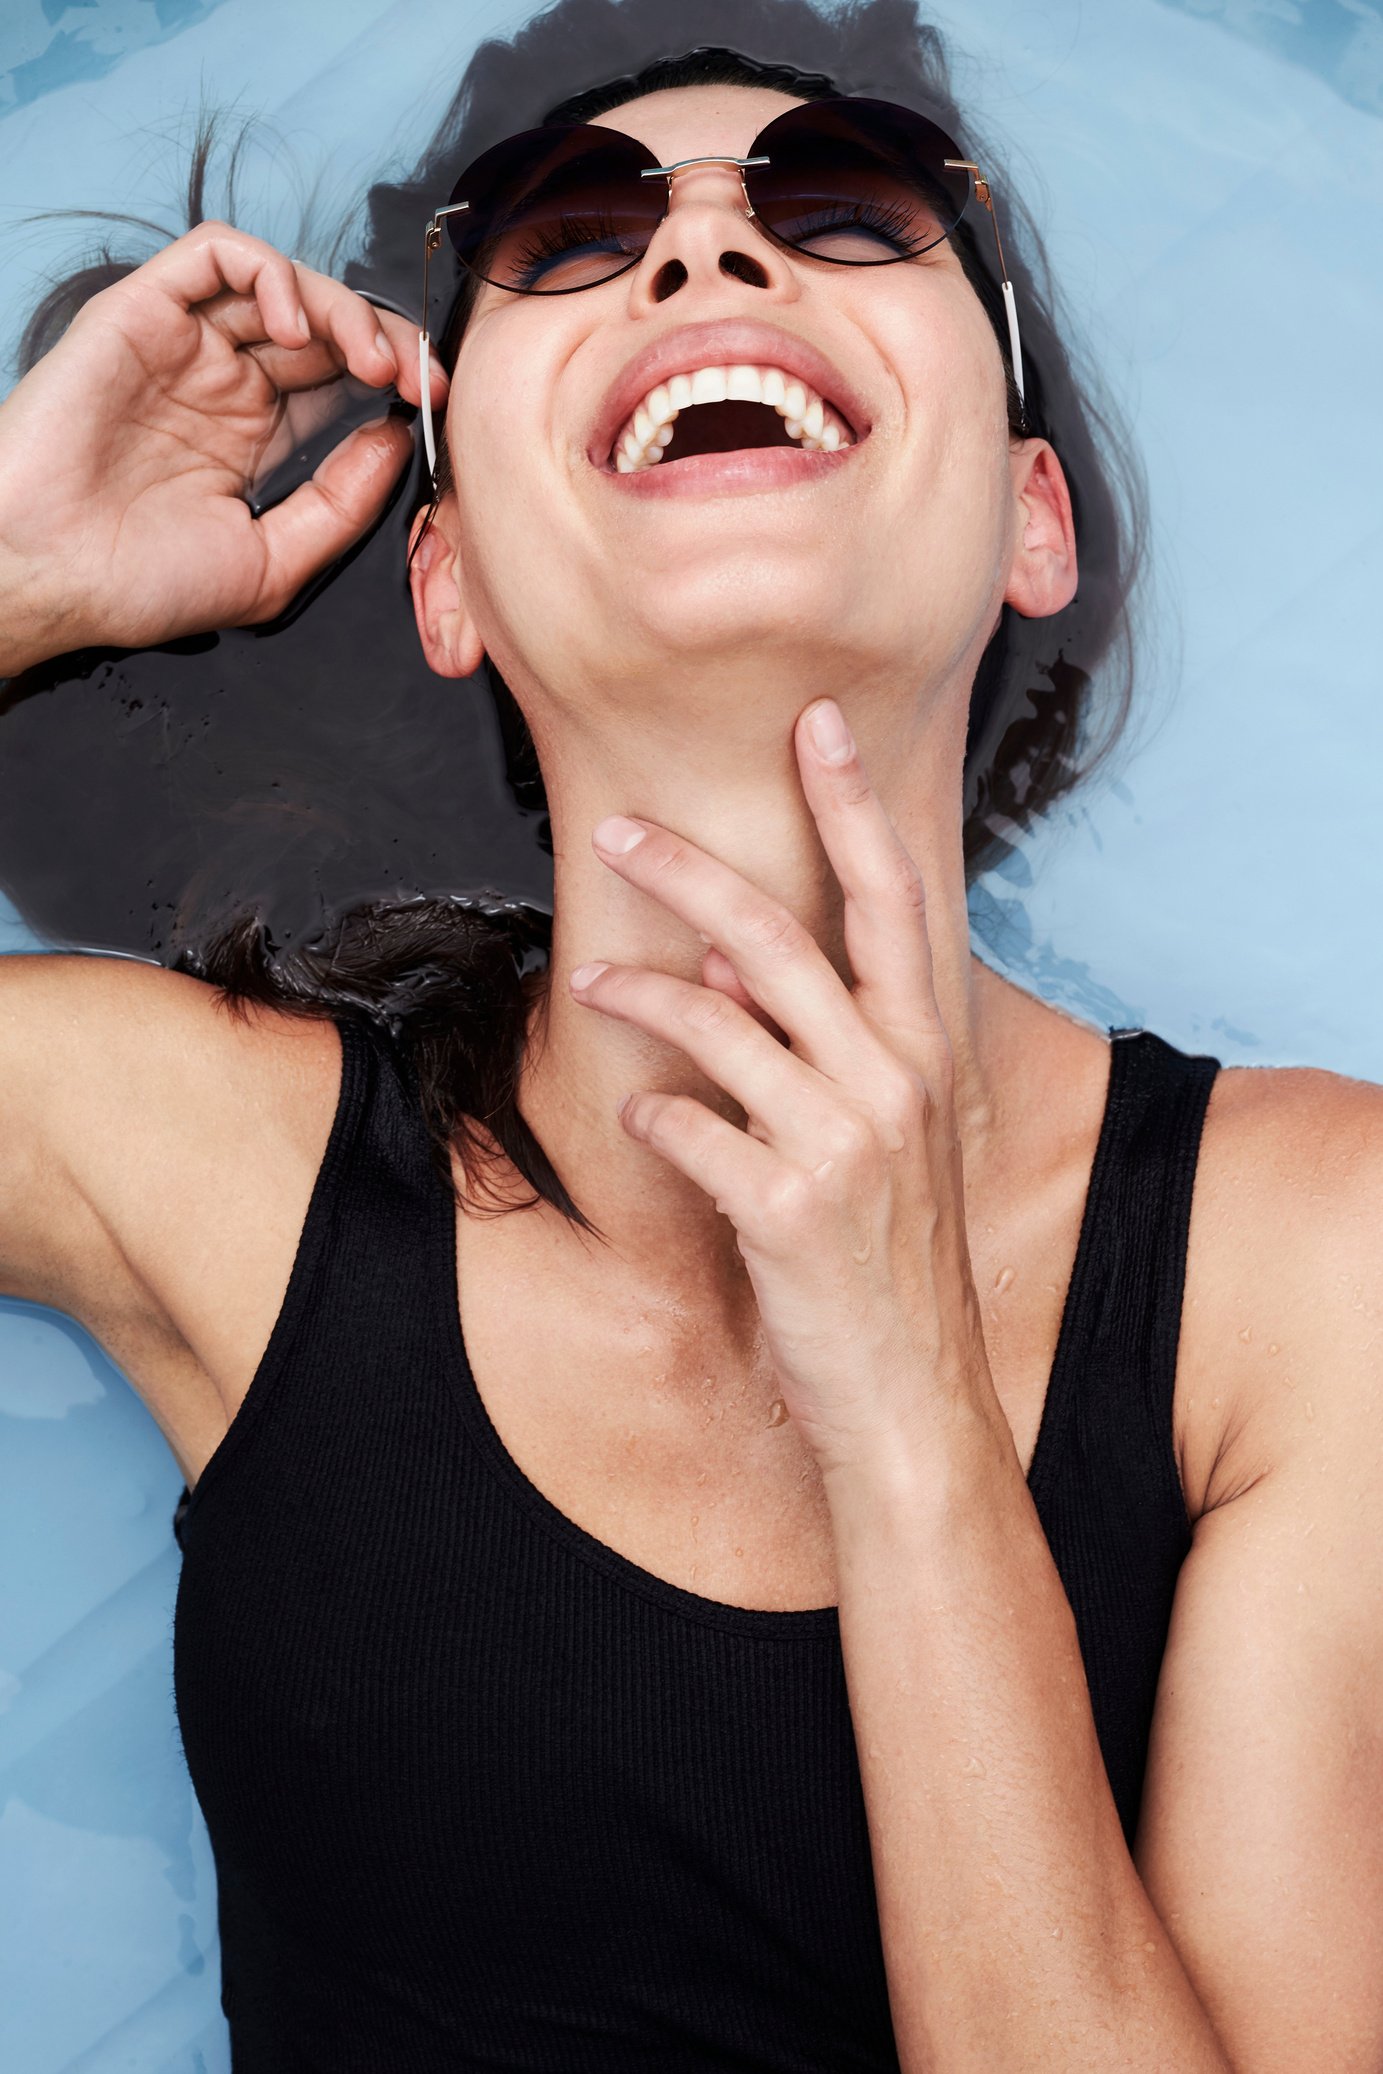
822 1597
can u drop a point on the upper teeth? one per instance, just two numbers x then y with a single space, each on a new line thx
808 417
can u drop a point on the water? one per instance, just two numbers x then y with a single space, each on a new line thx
1210 179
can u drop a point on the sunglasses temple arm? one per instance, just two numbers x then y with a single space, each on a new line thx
1010 305
432 238
1014 347
425 394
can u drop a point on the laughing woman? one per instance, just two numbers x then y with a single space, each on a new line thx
759 1498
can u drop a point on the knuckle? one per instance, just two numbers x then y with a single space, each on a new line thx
329 497
847 1137
669 859
788 1200
772 931
274 597
903 1106
703 1009
903 882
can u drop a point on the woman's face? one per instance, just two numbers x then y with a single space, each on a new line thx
892 553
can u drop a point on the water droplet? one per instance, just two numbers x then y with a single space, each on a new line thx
739 1551
778 1412
1309 1408
975 1769
1004 1279
1247 1334
1272 1346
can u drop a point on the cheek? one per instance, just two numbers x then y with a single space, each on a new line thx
498 436
948 530
956 405
936 336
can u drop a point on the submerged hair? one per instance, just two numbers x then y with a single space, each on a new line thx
455 979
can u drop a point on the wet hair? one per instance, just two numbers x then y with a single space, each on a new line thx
456 977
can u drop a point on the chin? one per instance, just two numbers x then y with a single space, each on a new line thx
743 611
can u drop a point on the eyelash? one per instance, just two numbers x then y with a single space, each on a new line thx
891 221
572 231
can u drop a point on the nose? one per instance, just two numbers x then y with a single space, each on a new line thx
708 230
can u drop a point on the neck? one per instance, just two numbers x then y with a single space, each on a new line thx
735 791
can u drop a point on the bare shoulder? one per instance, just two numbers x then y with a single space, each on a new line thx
1262 1812
135 1099
1284 1276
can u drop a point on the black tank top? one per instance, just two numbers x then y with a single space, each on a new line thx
484 1794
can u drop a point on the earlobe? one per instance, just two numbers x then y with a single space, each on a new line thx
445 628
1044 573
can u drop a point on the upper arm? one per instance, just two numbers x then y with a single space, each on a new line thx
119 1082
61 1041
1261 1835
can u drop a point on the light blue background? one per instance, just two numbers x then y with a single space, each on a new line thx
1210 174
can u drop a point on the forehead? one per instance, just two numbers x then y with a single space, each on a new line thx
697 121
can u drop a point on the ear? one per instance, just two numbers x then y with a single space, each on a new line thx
450 642
1043 574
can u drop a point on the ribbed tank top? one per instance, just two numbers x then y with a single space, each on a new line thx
484 1794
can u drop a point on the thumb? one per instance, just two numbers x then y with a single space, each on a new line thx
325 516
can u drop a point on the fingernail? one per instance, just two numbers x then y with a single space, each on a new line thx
386 351
616 834
584 974
832 737
304 328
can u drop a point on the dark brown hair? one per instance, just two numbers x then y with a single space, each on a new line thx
456 980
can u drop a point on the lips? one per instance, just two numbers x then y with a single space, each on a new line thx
722 344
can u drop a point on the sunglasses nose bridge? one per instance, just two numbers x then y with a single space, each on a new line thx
685 165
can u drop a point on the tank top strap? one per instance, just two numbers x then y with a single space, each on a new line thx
1113 1377
361 1269
1105 1476
1129 1317
391 1145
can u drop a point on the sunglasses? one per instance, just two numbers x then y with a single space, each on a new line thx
853 181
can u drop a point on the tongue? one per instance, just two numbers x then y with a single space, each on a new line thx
721 428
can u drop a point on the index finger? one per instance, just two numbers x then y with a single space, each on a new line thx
886 935
777 958
215 256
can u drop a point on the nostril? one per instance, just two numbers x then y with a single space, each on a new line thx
669 279
741 267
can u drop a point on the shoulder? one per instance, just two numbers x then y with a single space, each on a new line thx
1263 1799
1284 1275
136 1099
134 1045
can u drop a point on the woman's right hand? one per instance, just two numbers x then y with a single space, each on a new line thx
126 452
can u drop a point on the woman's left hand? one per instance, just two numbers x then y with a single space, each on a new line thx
846 1188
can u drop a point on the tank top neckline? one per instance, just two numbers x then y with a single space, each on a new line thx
814 1622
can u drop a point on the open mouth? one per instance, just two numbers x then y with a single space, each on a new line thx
724 410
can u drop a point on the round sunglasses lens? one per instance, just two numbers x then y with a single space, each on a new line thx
860 182
554 210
